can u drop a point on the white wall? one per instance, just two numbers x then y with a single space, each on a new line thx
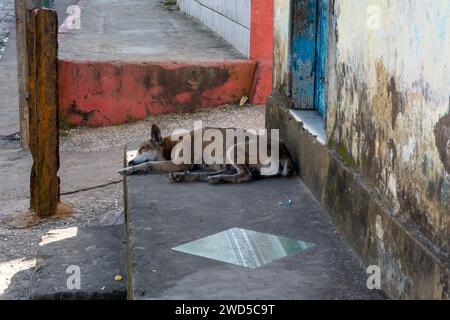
228 18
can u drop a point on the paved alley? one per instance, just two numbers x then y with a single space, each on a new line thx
202 241
145 30
9 123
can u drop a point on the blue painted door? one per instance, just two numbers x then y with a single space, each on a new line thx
309 54
321 56
304 31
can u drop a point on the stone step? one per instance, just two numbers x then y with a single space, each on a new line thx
128 62
267 239
98 252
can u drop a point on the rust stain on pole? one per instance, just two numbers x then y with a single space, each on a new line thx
42 48
31 99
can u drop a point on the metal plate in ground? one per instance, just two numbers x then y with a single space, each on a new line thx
245 248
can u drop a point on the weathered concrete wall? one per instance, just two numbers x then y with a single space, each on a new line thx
411 267
388 111
229 18
384 176
282 45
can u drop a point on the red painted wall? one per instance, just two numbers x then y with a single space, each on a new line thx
261 48
95 93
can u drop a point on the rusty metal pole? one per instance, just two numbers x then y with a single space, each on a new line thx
37 43
42 47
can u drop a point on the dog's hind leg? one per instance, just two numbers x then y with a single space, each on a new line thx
194 176
243 174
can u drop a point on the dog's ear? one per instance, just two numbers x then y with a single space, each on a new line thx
156 134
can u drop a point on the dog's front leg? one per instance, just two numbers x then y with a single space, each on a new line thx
156 166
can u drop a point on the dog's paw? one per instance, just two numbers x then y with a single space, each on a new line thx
214 180
175 177
178 176
125 172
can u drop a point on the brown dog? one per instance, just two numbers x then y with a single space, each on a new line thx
155 155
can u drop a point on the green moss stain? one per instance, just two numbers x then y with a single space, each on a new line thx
170 3
64 128
343 153
131 119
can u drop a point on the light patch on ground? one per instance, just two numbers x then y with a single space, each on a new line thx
9 268
58 235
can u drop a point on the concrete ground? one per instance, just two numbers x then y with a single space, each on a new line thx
6 17
162 215
143 30
9 122
98 252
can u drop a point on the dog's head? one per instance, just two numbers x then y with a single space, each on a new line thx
150 150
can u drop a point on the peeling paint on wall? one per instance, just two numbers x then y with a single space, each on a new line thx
442 136
282 39
388 118
389 104
304 34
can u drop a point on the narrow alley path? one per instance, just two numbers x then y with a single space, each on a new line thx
264 240
9 123
141 30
